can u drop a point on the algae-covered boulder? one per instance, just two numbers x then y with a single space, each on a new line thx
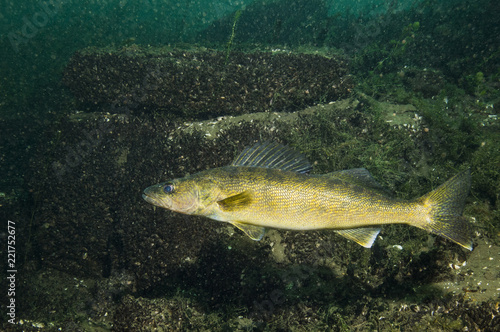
92 223
92 220
205 83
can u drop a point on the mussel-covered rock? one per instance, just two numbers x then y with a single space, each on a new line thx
202 84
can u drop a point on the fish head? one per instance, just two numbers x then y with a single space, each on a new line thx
179 195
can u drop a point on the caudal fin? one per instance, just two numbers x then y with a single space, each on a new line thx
447 205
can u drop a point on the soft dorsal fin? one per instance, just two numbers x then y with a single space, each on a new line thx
273 155
360 177
256 233
364 236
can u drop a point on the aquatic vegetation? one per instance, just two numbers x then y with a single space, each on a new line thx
236 18
399 47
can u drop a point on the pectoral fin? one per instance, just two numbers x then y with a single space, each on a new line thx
364 236
236 202
256 233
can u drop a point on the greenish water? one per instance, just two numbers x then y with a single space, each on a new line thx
101 99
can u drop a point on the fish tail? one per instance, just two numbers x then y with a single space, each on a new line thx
446 205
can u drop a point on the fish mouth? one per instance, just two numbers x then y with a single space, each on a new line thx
148 199
150 195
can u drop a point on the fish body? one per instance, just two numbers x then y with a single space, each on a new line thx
267 186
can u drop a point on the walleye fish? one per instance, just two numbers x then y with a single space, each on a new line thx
267 186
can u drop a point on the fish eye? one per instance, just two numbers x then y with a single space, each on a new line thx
168 189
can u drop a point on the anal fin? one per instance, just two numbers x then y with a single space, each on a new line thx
364 236
256 233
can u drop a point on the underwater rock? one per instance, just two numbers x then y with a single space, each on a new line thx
203 84
91 218
91 221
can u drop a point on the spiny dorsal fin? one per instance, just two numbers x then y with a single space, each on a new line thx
364 236
256 233
360 177
236 202
273 155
